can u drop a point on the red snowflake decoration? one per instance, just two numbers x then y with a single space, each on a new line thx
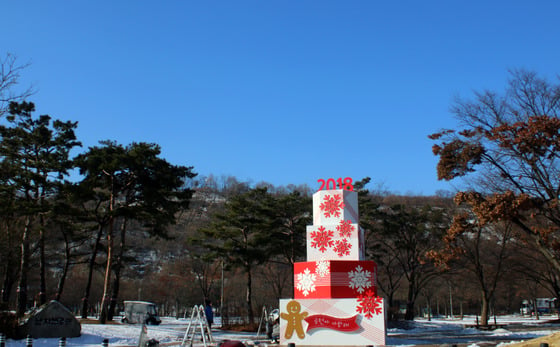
345 228
369 304
322 239
342 247
332 205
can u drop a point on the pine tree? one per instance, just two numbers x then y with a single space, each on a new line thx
36 153
131 183
240 235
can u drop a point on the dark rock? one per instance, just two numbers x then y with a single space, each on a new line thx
52 320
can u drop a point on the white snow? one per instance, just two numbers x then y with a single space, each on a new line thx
420 332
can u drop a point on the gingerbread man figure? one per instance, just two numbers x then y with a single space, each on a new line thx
294 318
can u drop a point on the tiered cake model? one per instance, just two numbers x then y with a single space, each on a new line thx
335 295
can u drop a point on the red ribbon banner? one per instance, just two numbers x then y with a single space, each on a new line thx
327 322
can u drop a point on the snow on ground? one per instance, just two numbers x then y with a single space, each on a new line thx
456 331
420 332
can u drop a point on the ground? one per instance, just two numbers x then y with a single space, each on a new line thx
513 331
552 340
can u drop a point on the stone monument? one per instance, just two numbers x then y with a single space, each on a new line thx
52 320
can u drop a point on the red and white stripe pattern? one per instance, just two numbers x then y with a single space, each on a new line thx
345 279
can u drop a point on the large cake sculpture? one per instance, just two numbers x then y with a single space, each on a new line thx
335 295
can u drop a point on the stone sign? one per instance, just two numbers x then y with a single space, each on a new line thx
53 320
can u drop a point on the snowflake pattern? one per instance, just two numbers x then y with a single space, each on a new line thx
342 247
345 228
306 282
369 304
323 268
322 239
360 279
332 205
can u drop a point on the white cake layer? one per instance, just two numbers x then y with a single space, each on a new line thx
333 206
332 322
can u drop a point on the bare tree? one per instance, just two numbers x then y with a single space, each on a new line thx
481 250
508 146
10 72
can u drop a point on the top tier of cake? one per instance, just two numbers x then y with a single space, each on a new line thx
335 206
335 233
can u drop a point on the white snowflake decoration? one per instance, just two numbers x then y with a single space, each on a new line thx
323 268
360 279
306 282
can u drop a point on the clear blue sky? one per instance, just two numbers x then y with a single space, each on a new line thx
277 91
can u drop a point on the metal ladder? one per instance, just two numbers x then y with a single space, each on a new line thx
198 323
263 320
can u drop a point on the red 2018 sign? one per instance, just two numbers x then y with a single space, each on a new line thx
345 184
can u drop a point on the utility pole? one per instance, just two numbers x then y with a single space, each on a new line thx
222 297
450 300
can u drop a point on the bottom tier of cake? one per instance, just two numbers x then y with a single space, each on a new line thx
333 322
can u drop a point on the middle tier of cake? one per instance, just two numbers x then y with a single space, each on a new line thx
324 279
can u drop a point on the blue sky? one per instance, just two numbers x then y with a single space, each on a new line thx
285 92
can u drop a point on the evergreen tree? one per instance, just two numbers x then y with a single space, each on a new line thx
240 235
405 235
292 213
35 152
131 183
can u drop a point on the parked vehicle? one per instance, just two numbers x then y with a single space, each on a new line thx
138 312
543 306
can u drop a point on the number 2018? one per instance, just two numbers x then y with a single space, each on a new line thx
345 184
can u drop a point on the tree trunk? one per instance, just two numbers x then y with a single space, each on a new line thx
10 275
249 294
409 315
42 296
484 312
105 300
62 278
85 299
536 308
111 225
6 285
450 302
21 301
392 313
114 295
117 272
429 308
